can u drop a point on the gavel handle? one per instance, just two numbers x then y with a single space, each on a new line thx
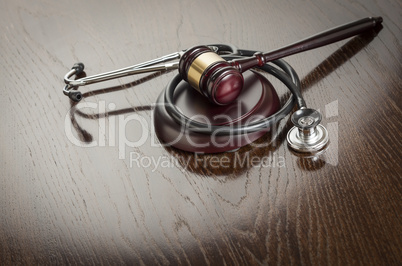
321 39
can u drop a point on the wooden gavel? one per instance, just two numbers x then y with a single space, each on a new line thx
221 81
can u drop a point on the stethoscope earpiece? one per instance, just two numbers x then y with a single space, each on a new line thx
79 68
76 96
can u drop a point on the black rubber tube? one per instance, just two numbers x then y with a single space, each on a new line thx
286 74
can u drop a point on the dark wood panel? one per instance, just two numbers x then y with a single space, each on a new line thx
72 191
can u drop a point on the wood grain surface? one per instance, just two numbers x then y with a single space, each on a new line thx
74 190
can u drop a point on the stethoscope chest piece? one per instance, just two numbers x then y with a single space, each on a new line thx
307 135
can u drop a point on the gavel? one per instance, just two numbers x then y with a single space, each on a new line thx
219 80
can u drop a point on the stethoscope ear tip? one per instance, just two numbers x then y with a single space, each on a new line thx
79 68
76 96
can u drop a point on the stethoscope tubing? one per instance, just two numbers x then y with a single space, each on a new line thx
286 74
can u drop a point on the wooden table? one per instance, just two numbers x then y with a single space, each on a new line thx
73 190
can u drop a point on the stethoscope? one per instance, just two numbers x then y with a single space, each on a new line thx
215 71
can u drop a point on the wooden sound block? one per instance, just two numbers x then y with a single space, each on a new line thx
257 100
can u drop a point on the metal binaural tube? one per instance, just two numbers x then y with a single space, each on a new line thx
144 67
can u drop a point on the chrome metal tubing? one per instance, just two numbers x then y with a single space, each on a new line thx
144 67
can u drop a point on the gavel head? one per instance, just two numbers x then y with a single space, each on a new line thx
211 75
